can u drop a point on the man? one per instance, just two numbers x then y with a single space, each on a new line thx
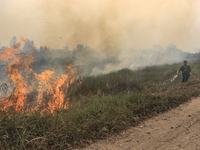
185 71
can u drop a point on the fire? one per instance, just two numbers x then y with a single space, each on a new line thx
51 89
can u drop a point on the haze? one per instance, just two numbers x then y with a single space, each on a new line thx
100 23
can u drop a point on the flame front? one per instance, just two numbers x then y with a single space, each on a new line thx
51 90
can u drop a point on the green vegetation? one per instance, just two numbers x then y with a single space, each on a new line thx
100 106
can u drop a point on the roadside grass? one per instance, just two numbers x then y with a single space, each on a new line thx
100 106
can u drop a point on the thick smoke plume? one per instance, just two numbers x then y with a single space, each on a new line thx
100 23
102 35
90 61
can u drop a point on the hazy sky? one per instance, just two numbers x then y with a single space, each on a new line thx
136 24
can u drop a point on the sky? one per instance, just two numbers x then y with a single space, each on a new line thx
137 24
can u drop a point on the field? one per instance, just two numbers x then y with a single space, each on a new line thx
99 107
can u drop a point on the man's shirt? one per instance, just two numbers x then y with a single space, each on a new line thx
185 70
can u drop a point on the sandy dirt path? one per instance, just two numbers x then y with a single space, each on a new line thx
177 129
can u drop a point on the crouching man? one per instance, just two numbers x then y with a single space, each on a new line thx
185 71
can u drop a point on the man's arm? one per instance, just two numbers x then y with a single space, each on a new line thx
179 70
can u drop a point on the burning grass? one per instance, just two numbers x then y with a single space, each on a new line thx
50 90
78 114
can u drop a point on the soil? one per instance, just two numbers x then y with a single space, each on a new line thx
178 128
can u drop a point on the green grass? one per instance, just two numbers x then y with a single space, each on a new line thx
100 106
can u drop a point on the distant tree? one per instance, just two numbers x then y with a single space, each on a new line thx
80 47
13 41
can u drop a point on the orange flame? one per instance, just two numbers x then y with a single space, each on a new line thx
51 91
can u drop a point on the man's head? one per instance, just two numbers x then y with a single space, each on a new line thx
185 62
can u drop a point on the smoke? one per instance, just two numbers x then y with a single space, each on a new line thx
90 61
102 35
102 23
147 57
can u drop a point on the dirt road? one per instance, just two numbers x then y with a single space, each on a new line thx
176 129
